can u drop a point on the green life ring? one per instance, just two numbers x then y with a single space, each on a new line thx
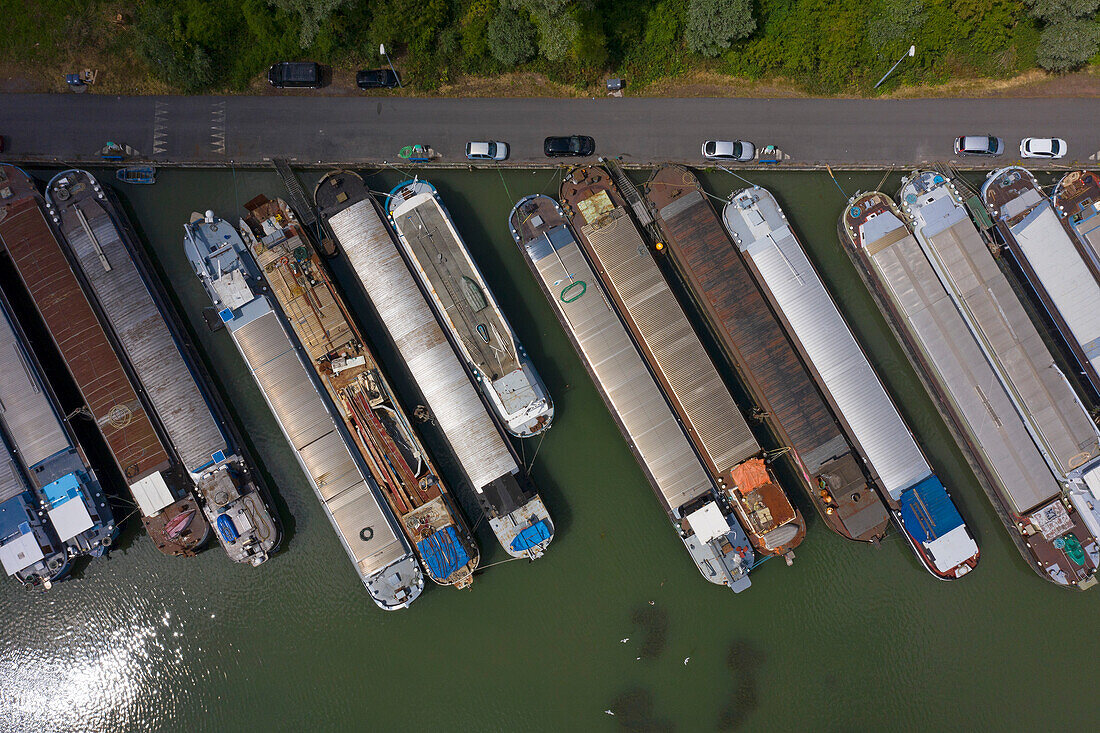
568 288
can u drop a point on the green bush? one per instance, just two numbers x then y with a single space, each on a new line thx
712 25
511 38
1067 44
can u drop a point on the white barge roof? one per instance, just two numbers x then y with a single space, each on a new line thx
958 365
455 405
25 408
630 270
1058 265
353 507
1053 413
762 233
621 375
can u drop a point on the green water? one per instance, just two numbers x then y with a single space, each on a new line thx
851 637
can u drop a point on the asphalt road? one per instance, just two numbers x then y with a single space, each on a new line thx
249 130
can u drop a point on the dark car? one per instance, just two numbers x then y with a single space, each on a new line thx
376 79
574 146
295 74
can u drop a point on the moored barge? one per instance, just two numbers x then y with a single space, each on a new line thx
372 415
1077 200
336 472
622 261
1058 421
68 492
1009 465
122 288
916 497
703 517
171 516
467 307
771 370
488 461
30 550
1053 259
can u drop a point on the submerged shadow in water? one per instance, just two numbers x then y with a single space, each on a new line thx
633 710
654 627
744 663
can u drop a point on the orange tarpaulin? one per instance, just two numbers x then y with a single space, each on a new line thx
750 476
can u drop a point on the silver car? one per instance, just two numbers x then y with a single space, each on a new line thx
979 145
739 150
486 151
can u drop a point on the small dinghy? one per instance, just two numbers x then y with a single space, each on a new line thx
145 174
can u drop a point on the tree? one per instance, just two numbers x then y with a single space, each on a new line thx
1055 10
1067 44
898 21
557 27
713 25
312 14
511 37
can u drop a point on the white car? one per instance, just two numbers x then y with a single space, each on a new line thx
729 150
1042 147
486 151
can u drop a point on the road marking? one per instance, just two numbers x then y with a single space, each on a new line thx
217 127
160 128
1095 156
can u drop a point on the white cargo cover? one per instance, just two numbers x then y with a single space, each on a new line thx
762 233
454 403
152 494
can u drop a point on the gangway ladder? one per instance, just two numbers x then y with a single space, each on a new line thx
630 192
298 200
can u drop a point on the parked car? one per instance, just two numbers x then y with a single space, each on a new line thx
376 79
575 146
979 145
740 150
1042 147
295 74
486 151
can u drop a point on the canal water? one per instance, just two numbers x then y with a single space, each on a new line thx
614 618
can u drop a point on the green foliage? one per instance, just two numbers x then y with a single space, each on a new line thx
1067 44
1054 10
824 45
712 25
511 37
894 26
659 52
557 27
312 15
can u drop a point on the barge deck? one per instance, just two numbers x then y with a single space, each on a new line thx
506 495
155 480
121 286
688 377
467 307
355 383
1054 259
343 485
1077 199
1009 465
703 518
67 488
919 502
1054 415
755 343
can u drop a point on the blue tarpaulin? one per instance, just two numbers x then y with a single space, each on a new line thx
443 553
60 491
534 535
927 511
